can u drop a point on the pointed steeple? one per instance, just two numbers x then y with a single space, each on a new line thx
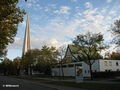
26 44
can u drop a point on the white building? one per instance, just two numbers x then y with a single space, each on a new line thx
98 65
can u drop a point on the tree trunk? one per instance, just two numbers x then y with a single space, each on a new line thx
62 70
91 71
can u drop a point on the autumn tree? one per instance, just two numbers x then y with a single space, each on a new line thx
47 59
90 46
118 54
10 16
30 59
53 56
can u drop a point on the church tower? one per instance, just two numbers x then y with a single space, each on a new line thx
26 44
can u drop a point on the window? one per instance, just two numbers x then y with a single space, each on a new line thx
117 70
71 65
85 71
53 66
64 66
106 70
80 64
110 70
88 71
116 63
105 63
110 63
58 66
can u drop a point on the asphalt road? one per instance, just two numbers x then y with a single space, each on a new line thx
8 83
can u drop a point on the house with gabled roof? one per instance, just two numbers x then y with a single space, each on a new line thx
99 64
69 53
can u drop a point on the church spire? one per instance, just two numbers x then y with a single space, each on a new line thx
26 44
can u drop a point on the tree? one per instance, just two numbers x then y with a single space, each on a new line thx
10 17
48 58
118 54
115 30
17 65
90 46
62 60
30 59
7 66
107 55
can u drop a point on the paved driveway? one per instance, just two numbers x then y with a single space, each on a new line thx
8 83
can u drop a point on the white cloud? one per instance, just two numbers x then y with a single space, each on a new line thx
47 9
52 5
108 18
18 43
112 12
33 4
33 1
88 5
38 42
74 0
63 10
109 1
29 5
104 10
89 14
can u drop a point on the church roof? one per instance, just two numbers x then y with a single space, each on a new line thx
77 52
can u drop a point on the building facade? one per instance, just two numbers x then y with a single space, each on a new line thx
100 65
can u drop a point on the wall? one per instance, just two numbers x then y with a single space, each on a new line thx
113 67
97 66
70 71
86 70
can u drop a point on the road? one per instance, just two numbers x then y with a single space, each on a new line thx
8 83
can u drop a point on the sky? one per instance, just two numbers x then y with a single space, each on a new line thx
57 22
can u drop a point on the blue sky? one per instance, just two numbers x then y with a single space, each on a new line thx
57 22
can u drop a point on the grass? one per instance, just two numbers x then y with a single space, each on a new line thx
115 80
56 77
91 85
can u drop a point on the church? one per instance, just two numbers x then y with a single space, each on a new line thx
100 65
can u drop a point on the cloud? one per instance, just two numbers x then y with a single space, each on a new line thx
59 31
89 14
88 5
47 9
104 10
29 5
52 5
112 12
63 10
74 0
33 1
109 1
18 43
108 18
37 42
33 4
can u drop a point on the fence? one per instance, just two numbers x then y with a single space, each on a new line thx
108 74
